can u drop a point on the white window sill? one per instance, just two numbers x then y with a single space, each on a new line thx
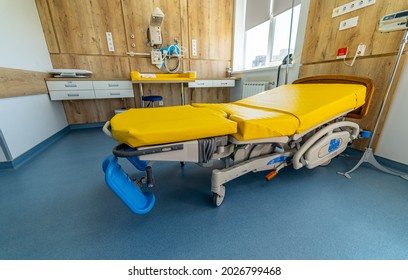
261 69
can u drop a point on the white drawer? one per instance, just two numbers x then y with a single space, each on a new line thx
112 93
223 83
71 94
200 84
112 84
69 85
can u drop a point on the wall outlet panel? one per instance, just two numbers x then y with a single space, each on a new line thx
194 47
348 23
351 6
109 40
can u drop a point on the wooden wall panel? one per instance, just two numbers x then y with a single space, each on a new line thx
376 68
81 26
210 95
103 67
93 110
75 32
210 24
137 18
323 37
47 25
209 68
15 82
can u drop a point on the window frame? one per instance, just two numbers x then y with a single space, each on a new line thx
271 38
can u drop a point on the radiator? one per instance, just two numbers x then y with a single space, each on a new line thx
252 88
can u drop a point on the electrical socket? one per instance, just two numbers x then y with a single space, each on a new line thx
161 103
348 23
109 40
361 49
194 47
351 6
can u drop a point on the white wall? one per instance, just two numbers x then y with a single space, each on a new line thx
392 143
25 121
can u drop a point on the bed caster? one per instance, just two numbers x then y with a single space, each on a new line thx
218 198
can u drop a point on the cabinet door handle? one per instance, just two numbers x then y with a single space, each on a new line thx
114 93
73 94
70 85
113 85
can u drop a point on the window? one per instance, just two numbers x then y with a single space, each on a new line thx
266 37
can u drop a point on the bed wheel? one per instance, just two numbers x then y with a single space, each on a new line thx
219 198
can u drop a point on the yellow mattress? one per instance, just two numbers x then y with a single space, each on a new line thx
151 126
283 111
311 104
254 123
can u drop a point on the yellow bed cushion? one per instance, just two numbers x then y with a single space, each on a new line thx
282 111
255 123
312 104
152 126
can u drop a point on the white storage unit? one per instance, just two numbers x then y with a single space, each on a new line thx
68 90
211 83
113 89
73 89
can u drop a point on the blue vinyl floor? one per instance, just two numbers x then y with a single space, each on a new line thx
57 206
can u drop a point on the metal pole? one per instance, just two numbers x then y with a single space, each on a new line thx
368 155
401 50
290 39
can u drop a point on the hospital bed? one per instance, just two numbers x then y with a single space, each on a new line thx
304 124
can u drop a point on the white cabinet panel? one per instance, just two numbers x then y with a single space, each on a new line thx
112 84
223 83
119 93
71 94
69 85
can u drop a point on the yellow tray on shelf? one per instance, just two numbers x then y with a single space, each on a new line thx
152 77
